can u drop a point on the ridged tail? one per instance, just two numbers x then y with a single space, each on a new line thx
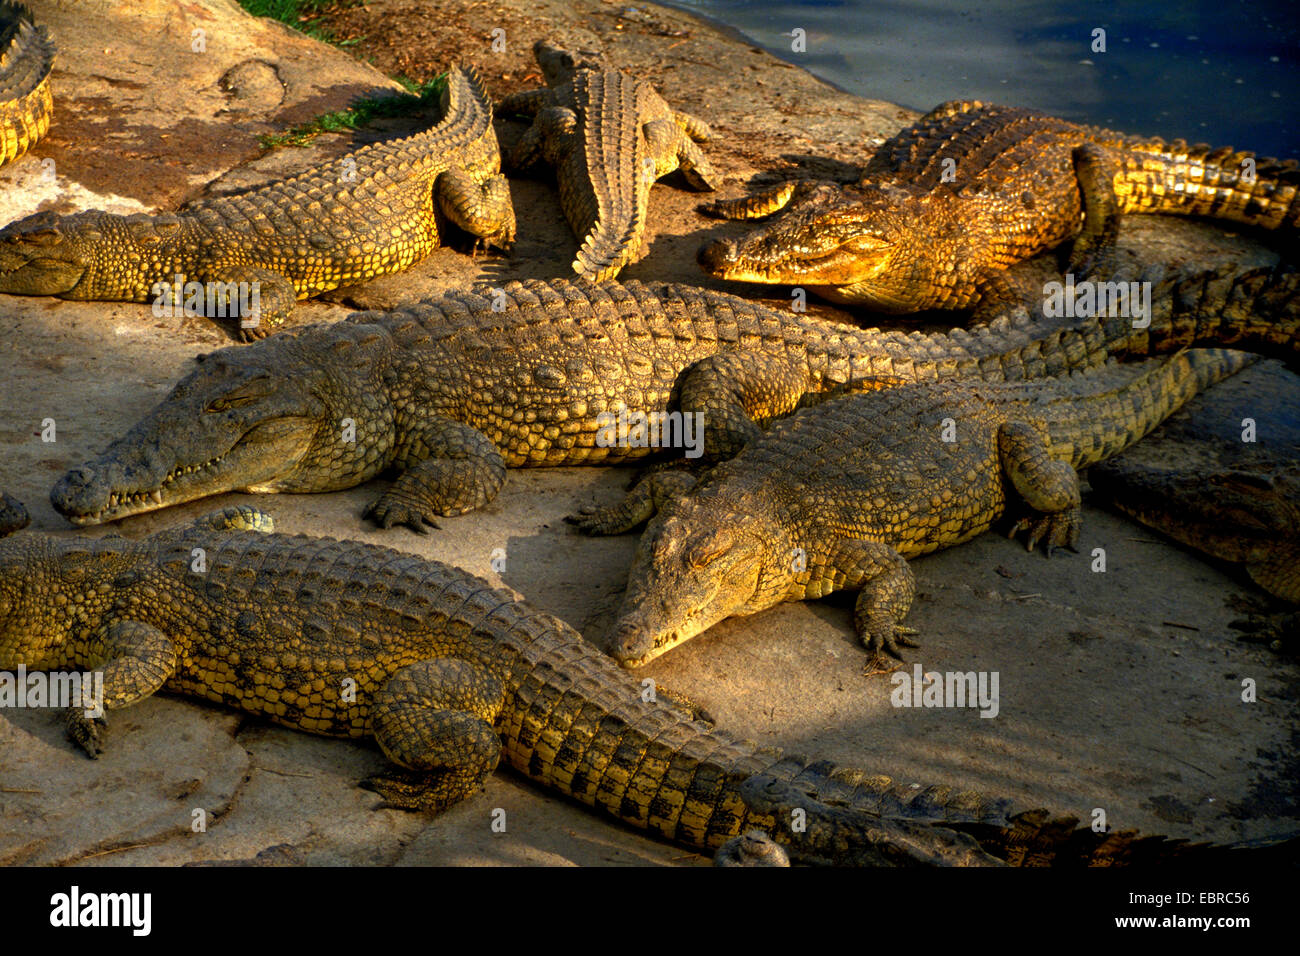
617 170
580 725
1255 309
26 103
1234 185
1094 415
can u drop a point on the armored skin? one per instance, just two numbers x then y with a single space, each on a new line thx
367 214
609 137
946 205
840 495
454 390
26 102
452 677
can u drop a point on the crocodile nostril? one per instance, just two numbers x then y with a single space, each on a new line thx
716 254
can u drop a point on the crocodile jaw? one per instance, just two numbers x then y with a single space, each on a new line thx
38 275
102 491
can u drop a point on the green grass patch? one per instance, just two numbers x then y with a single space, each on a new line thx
303 15
419 97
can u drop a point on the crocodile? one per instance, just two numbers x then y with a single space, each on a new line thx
839 495
26 101
608 136
945 206
372 212
451 677
454 390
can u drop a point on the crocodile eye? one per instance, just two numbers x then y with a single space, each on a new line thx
863 243
707 548
249 391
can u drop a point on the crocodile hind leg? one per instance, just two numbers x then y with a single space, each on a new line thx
483 210
736 392
434 719
1049 487
135 659
1101 215
450 469
655 486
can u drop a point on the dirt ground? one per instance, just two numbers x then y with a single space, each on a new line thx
1120 690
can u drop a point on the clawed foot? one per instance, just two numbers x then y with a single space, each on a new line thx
399 789
88 733
403 789
1057 530
596 521
885 646
393 509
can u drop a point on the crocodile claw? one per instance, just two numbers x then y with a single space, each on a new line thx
387 512
88 733
1057 530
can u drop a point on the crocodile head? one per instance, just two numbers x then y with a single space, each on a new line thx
1239 515
46 254
691 570
558 66
295 412
851 246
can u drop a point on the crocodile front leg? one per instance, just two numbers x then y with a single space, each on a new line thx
1048 486
482 209
888 589
642 502
135 660
450 469
260 299
435 720
735 392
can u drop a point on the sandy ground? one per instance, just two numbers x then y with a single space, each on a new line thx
1119 690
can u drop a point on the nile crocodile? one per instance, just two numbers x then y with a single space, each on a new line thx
26 103
609 137
370 213
454 390
946 205
450 677
839 495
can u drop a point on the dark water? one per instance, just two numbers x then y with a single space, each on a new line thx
1224 72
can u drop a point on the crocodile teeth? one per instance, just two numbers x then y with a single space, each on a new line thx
157 496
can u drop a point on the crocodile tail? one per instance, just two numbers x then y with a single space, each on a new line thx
616 168
1092 415
826 814
26 103
1256 309
1171 177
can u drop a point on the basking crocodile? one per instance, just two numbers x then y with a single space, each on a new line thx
454 390
839 495
370 213
609 137
944 207
450 677
26 103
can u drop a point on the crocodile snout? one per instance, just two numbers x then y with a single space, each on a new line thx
631 642
716 255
